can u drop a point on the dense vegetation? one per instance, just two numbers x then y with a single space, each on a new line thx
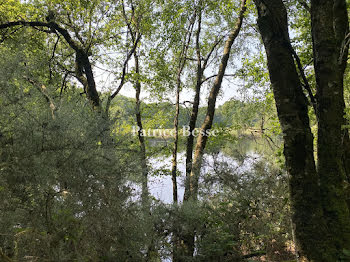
77 183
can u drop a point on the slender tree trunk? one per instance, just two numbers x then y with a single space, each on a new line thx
202 64
176 141
175 235
329 20
190 137
346 158
177 248
195 109
187 237
208 121
144 193
191 190
145 200
316 240
181 67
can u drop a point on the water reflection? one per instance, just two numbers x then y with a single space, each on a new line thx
239 155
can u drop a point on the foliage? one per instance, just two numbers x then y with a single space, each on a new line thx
70 176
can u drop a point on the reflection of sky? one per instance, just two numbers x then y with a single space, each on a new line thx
161 186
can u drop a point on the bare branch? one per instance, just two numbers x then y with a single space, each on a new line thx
213 76
131 52
217 42
63 86
193 59
24 23
128 22
53 54
303 76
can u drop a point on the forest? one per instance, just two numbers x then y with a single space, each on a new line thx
174 130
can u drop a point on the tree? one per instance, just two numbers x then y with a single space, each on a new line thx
57 180
318 195
192 179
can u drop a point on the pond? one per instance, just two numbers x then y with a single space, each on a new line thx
240 156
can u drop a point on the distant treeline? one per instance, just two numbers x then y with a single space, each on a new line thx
233 113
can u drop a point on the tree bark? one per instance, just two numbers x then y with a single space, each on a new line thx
187 237
176 141
182 63
316 240
329 21
144 190
195 107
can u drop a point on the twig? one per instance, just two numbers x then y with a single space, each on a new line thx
213 76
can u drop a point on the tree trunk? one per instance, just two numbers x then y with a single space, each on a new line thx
312 222
208 121
176 140
182 63
187 237
175 235
83 66
195 108
191 190
202 64
190 137
329 21
144 190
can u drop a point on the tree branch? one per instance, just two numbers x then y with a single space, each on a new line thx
303 76
24 23
217 42
192 189
136 37
213 76
124 67
82 58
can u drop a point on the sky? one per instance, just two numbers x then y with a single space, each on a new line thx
229 90
231 87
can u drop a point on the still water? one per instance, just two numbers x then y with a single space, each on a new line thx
241 159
